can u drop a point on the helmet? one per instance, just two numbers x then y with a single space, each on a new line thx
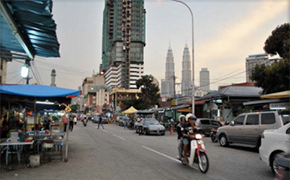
190 116
181 117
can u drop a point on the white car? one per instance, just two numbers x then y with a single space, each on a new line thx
274 142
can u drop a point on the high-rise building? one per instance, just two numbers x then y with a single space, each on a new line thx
167 85
186 73
123 42
204 79
252 61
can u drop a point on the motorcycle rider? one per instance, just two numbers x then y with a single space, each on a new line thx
179 129
189 129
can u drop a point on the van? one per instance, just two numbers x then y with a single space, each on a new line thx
248 127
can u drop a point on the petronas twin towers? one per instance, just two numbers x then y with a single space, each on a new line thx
168 84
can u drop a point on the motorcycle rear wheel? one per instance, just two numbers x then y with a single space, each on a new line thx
203 164
213 138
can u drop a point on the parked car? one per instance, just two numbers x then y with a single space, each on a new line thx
274 142
247 128
152 126
96 118
204 125
123 120
284 167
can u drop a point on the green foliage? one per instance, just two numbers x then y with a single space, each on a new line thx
279 42
149 94
74 108
137 103
274 78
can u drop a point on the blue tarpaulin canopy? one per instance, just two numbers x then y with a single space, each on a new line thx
27 95
35 90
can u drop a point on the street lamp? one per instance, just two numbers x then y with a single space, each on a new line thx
193 86
25 71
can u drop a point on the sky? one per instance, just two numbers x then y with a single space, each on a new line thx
225 33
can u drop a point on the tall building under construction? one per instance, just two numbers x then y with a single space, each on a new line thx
123 42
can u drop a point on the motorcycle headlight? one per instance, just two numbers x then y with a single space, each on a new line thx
198 136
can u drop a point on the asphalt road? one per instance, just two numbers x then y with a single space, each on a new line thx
117 154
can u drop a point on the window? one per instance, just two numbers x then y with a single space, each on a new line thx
285 118
205 122
252 119
288 131
268 118
216 123
239 120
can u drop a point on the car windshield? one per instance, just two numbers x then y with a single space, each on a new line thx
151 122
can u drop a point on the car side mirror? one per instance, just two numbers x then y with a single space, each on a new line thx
232 123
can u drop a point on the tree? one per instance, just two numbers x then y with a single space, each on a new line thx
279 42
149 94
74 107
274 78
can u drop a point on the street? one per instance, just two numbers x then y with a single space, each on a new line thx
118 153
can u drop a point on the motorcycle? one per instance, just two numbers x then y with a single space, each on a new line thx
197 153
213 135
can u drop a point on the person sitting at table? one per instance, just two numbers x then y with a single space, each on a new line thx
3 127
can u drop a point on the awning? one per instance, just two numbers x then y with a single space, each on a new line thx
179 107
185 110
27 27
36 90
284 94
131 110
200 102
27 95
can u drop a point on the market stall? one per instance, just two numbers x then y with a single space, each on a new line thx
37 98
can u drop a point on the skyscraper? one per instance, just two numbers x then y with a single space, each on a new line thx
123 42
186 73
204 79
167 85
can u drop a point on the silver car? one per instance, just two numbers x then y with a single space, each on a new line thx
152 126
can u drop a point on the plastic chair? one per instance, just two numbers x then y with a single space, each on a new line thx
13 149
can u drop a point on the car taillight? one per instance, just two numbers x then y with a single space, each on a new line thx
263 136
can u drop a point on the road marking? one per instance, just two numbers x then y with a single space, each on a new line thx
105 131
161 154
119 137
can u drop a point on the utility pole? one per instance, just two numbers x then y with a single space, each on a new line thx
174 86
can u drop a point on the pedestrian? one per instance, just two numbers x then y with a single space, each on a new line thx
140 124
179 129
64 120
71 122
75 120
100 122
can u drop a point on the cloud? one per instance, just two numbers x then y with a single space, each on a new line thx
233 36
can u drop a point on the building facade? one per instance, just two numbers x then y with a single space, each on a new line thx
168 84
252 61
186 88
3 70
204 79
123 42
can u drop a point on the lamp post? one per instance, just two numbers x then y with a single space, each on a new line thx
193 86
25 71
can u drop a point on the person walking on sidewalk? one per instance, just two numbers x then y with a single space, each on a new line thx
71 122
100 123
64 120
